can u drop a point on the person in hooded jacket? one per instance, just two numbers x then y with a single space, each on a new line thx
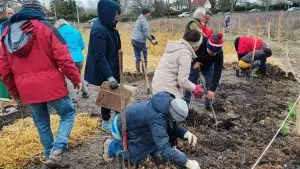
34 60
151 127
103 54
172 73
75 44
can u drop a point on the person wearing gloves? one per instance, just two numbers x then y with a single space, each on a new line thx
172 73
141 32
103 53
34 60
244 47
199 22
151 125
209 62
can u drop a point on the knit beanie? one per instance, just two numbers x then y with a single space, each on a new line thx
215 42
35 4
179 110
193 37
145 11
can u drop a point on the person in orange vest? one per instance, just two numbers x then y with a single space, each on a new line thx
245 46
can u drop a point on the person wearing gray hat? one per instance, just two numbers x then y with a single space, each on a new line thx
151 127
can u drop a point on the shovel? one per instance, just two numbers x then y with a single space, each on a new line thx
214 114
146 77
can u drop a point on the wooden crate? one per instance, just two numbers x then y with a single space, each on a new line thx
111 99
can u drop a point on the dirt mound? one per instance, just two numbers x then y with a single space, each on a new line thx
249 114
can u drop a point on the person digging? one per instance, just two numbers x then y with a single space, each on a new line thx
150 126
209 62
252 63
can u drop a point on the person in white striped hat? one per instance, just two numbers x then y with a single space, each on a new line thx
209 62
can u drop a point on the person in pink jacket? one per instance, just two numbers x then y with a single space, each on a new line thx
172 73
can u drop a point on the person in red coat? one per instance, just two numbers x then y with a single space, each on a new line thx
34 60
245 46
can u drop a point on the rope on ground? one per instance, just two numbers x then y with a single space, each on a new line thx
286 118
273 139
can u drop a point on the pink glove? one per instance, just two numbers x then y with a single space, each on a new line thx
198 91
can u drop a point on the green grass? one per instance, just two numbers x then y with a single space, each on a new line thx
292 110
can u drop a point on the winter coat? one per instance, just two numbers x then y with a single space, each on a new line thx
3 26
74 41
246 45
201 27
141 30
103 59
149 127
172 73
205 59
34 59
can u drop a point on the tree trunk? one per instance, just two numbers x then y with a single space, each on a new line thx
190 6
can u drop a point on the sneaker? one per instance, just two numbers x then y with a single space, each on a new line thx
105 155
106 126
85 95
55 159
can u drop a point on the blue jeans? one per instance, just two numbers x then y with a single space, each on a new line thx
207 71
41 118
116 146
138 48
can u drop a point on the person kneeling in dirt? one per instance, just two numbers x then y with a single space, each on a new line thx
172 73
151 125
244 47
34 60
209 62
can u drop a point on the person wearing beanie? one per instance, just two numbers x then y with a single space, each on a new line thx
201 18
102 63
172 73
245 46
34 62
151 125
140 33
209 62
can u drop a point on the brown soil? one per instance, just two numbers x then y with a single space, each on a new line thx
249 117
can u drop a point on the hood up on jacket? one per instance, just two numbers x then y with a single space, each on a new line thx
107 11
174 46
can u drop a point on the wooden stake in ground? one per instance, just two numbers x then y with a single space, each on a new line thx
146 76
279 28
123 115
269 31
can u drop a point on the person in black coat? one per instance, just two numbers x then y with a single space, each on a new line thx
103 53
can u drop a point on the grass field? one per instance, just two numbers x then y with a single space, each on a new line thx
154 52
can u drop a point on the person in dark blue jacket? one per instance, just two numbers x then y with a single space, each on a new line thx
103 54
151 127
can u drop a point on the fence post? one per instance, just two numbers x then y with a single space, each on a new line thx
269 31
279 27
298 119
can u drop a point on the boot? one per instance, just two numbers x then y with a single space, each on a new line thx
55 159
138 66
143 67
105 154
